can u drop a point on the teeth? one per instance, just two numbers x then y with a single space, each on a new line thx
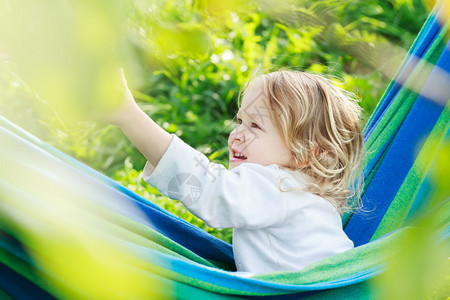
239 155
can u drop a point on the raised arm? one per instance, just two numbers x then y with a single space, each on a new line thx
150 139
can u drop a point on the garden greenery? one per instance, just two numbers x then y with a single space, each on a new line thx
186 62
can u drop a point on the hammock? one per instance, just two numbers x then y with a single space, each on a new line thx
405 135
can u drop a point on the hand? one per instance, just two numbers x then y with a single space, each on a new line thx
151 140
123 115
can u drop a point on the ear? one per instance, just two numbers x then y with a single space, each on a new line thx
316 151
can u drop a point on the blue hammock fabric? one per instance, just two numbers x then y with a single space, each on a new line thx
400 152
197 265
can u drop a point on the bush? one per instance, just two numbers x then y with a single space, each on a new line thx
194 58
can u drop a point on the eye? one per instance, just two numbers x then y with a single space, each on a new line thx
254 125
239 121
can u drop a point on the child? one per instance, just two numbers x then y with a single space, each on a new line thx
293 154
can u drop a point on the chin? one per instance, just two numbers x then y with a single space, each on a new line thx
234 164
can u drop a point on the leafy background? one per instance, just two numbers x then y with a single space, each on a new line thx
188 60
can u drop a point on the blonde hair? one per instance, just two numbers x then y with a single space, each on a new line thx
320 124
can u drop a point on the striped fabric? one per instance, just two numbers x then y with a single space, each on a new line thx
405 136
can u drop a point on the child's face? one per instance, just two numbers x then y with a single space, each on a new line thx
256 139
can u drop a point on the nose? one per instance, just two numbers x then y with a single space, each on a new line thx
237 135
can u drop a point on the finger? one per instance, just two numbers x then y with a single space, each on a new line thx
124 79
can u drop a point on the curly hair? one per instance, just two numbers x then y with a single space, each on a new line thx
320 124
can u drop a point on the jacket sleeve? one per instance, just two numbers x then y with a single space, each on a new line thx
246 197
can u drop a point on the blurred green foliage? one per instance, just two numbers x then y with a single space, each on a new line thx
421 259
190 59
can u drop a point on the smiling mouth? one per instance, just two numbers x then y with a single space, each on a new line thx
237 156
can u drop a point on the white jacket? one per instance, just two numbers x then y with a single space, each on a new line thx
277 225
